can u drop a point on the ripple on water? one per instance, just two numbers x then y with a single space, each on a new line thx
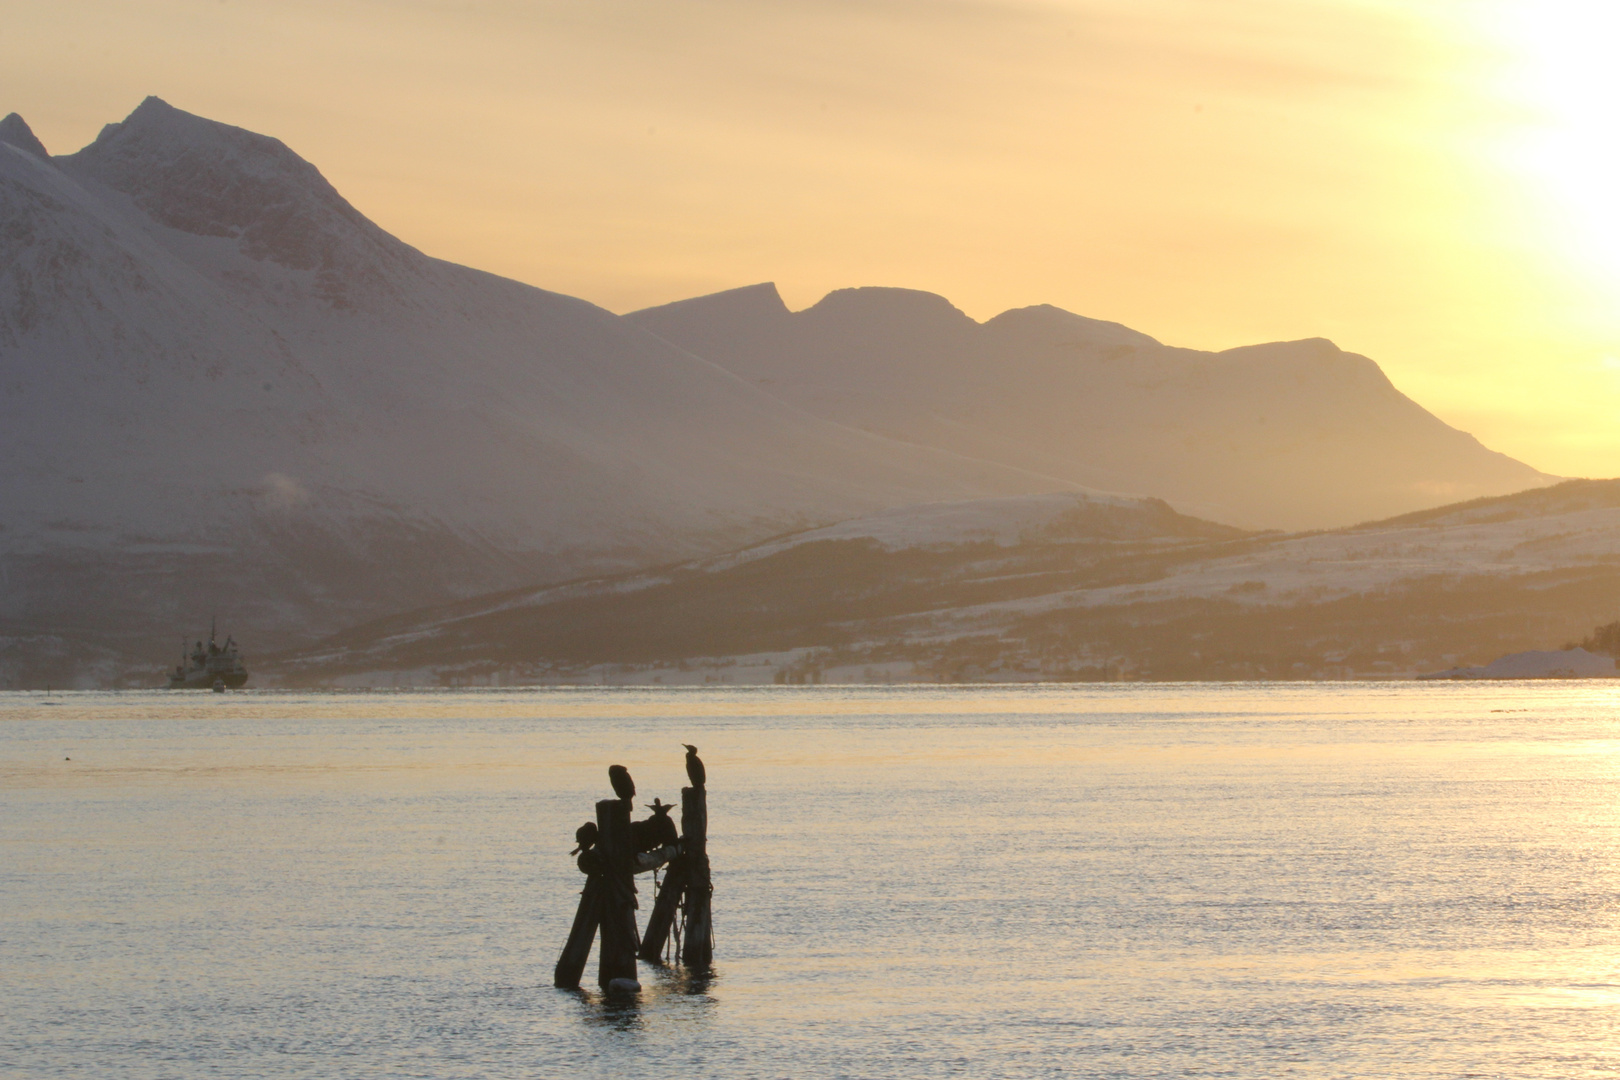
1243 880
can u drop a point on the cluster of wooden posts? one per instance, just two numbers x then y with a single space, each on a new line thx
608 901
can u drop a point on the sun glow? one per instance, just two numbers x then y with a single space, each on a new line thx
1568 144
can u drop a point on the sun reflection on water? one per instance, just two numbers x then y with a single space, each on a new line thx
1390 880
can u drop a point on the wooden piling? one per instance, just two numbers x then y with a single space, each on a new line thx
665 905
617 953
697 950
571 964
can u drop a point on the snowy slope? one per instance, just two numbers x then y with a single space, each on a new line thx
1007 521
1537 664
222 388
1334 565
1289 435
737 597
1064 582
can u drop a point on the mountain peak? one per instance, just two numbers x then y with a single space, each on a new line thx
1048 321
909 319
756 312
1317 351
206 178
199 175
156 126
14 131
154 110
749 301
1311 346
887 302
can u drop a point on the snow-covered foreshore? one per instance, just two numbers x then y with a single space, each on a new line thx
1551 664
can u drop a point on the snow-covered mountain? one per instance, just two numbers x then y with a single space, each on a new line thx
1291 435
223 389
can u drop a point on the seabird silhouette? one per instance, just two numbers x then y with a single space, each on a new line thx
652 833
694 766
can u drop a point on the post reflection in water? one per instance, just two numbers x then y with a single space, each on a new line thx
1381 879
668 995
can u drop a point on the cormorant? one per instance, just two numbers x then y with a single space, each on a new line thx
590 856
663 826
623 786
652 833
694 766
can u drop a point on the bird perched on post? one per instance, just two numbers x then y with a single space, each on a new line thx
694 766
586 836
623 786
650 834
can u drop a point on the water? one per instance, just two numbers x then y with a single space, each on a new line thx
1143 881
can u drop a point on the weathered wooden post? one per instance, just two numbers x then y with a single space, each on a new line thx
697 950
617 954
665 905
571 964
612 852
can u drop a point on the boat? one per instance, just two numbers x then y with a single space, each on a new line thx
210 667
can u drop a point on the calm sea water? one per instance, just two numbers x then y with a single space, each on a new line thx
1143 881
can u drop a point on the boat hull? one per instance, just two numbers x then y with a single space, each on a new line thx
202 680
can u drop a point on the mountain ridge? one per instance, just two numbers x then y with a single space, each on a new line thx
1289 435
223 389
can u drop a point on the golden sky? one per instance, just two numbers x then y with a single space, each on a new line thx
1429 182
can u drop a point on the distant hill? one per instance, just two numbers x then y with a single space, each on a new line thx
1067 587
1290 435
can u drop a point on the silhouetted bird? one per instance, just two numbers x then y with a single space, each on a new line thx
694 766
585 836
652 833
623 786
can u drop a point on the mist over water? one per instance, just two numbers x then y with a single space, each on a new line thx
1115 880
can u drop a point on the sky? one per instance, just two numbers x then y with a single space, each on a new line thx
1428 182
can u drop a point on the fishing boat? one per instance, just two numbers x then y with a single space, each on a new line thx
210 667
